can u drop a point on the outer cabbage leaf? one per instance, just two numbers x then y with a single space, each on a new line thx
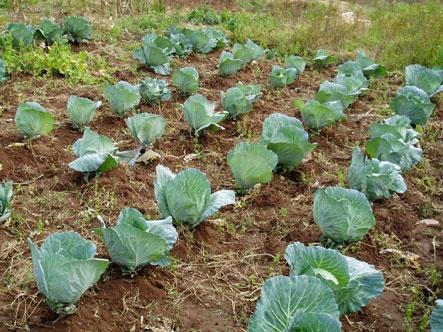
397 125
206 40
50 32
161 42
238 100
285 301
32 120
342 214
297 62
286 136
122 97
376 179
247 52
228 64
81 110
323 58
414 103
153 56
77 29
331 91
186 80
182 44
64 268
146 127
21 34
369 67
5 200
317 115
429 80
199 113
153 90
251 163
437 317
314 322
3 72
187 197
280 77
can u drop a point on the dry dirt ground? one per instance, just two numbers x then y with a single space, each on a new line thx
219 267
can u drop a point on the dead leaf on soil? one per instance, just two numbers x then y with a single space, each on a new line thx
408 257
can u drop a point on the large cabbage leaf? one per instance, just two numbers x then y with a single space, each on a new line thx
153 90
64 268
247 52
199 113
251 163
146 127
414 103
429 80
77 29
369 67
5 200
353 282
187 197
186 80
228 64
352 77
122 96
206 40
50 32
182 44
135 241
238 100
22 34
342 214
280 77
95 154
317 115
331 91
152 55
286 136
297 62
374 178
32 120
437 317
297 303
323 58
81 110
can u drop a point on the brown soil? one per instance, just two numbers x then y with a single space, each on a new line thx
218 268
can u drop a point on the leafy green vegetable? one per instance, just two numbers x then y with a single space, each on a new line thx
153 90
203 15
429 80
238 100
186 80
323 58
206 40
5 200
146 127
64 268
317 115
122 97
81 110
342 214
331 91
247 52
437 317
352 77
134 241
369 67
376 179
354 283
199 113
251 163
298 303
95 154
286 136
3 72
414 103
32 120
182 44
228 64
154 54
77 29
50 32
297 62
187 197
21 34
280 77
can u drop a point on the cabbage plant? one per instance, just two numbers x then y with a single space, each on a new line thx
247 52
64 268
297 303
3 72
81 110
207 39
199 113
297 62
164 43
238 100
153 90
153 56
369 67
228 64
354 283
22 35
414 103
395 141
186 80
122 97
251 164
32 120
187 197
134 241
146 127
286 136
95 154
351 76
317 115
429 80
280 77
182 44
342 214
436 318
77 29
374 178
50 32
331 91
323 58
5 200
